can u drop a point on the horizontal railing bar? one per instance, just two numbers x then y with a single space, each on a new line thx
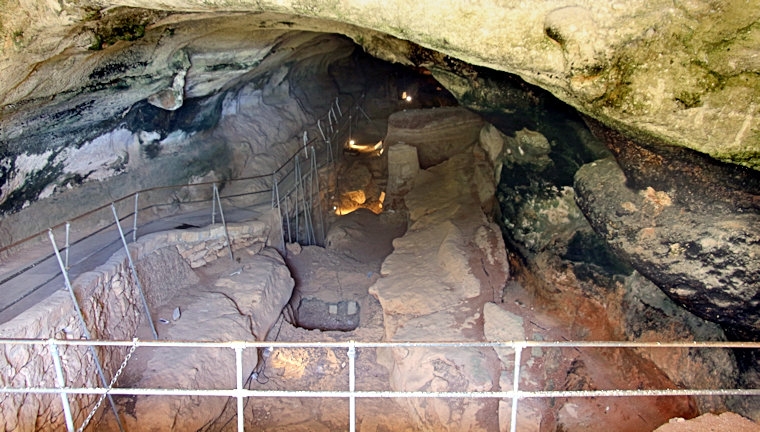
522 394
497 344
157 188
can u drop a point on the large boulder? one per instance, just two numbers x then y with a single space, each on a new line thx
704 257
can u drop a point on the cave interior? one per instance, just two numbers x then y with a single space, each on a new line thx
597 232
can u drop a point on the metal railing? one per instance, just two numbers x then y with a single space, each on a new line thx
295 189
240 393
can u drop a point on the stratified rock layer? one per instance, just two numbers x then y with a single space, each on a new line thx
437 134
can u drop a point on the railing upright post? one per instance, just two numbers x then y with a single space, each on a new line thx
515 387
321 132
276 202
297 179
352 386
68 243
61 384
287 217
213 206
330 120
134 225
224 224
319 196
134 273
85 332
239 382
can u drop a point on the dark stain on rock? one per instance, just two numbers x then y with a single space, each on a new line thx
695 179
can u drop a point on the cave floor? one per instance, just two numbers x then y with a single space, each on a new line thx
356 268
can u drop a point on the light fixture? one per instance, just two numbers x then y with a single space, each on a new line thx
408 98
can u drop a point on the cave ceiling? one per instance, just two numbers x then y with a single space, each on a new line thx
684 72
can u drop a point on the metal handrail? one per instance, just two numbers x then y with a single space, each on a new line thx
338 129
240 393
159 188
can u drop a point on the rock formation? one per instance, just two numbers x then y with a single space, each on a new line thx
100 99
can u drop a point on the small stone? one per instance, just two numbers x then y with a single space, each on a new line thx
293 248
352 308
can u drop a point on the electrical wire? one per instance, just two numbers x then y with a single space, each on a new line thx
229 410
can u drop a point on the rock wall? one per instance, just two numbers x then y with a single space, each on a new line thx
112 309
594 290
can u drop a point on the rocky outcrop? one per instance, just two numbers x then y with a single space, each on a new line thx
703 257
576 275
441 273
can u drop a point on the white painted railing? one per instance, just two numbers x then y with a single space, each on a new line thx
351 347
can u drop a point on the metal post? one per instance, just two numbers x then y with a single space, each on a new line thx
297 179
134 273
68 231
319 126
85 332
213 206
352 386
515 387
239 370
276 201
335 118
287 218
305 143
319 196
61 384
134 226
337 104
224 224
330 120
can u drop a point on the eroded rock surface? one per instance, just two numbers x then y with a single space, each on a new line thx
437 134
704 258
243 304
686 71
442 272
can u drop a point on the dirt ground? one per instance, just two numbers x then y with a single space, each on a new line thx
344 270
347 272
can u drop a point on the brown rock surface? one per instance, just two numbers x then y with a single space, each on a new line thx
710 423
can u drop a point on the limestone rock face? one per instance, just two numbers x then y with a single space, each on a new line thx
685 71
260 290
403 166
704 257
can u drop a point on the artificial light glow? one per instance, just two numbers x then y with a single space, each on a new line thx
403 95
408 98
366 148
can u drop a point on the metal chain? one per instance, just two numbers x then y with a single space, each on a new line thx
110 385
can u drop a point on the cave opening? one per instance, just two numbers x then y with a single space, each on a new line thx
427 181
